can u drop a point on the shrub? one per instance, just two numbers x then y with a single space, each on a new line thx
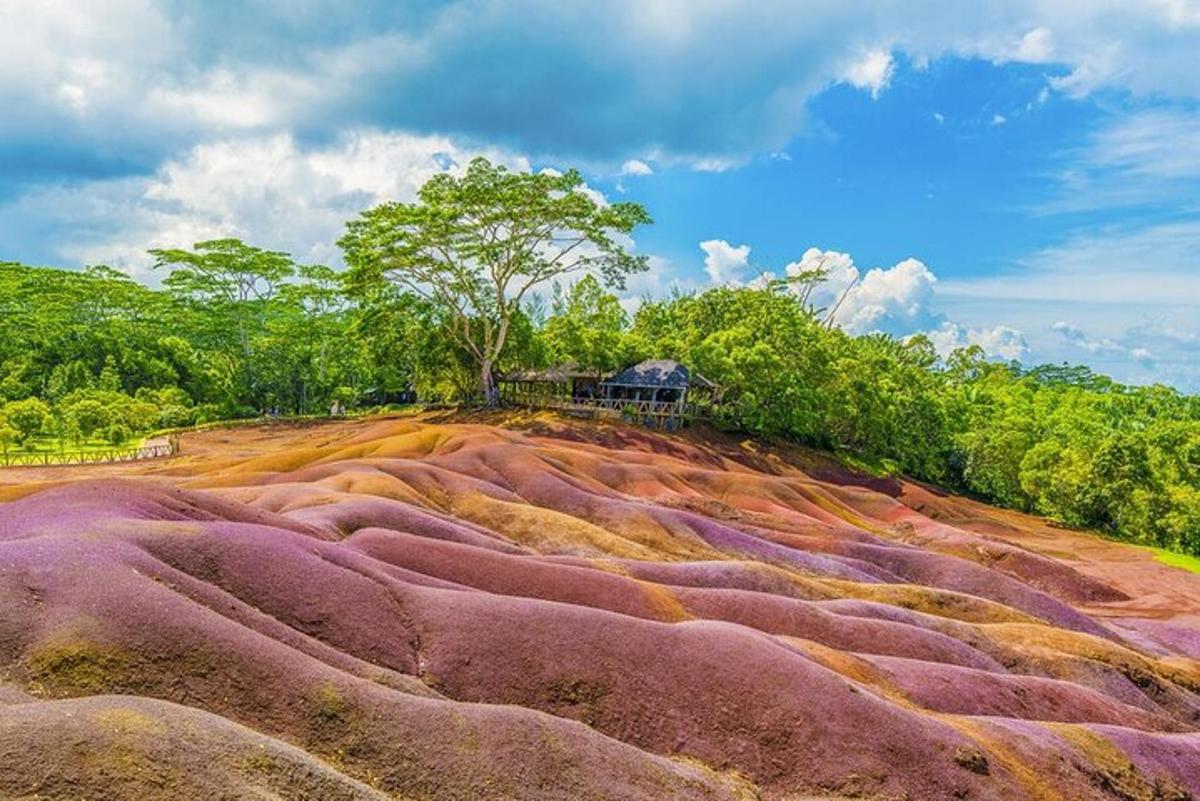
117 434
25 417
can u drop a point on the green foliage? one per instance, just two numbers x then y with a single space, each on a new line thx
441 295
8 435
474 245
587 327
1057 441
117 434
25 417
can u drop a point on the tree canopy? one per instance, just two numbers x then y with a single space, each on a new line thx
475 245
493 270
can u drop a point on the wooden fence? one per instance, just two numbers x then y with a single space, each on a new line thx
656 414
155 450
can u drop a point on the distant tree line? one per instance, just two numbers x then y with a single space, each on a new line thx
492 271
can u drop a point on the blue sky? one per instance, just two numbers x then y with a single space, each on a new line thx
1024 176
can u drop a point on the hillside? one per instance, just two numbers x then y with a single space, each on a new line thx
451 608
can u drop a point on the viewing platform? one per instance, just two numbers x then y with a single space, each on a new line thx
656 393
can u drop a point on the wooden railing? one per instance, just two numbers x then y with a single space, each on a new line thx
649 412
132 453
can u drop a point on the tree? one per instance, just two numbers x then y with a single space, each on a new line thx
117 434
110 379
475 245
26 417
90 416
234 283
587 326
8 435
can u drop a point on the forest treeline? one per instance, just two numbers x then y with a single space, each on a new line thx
82 352
235 331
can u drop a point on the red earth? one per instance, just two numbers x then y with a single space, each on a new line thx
516 606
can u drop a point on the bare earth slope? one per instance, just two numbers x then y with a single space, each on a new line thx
423 608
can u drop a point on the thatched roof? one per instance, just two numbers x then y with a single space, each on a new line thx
551 375
663 373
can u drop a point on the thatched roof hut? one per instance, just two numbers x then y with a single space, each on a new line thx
567 380
655 379
652 373
560 374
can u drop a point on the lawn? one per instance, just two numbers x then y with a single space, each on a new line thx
36 447
42 444
1180 560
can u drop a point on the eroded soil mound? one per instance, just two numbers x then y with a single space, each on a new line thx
417 609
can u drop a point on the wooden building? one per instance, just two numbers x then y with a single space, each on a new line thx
563 384
659 393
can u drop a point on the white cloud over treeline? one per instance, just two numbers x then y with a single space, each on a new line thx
899 300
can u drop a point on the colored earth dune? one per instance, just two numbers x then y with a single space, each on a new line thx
452 608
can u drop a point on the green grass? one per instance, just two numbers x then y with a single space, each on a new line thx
1180 560
51 445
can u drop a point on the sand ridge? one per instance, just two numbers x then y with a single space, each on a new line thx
526 607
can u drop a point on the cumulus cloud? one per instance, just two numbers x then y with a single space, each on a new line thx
725 263
1076 337
999 341
899 300
271 191
1035 46
636 167
894 300
172 74
872 72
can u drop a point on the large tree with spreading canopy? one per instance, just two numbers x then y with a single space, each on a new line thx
476 244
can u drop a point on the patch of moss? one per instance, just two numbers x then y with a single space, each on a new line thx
128 721
77 667
1112 772
123 762
327 706
582 696
736 783
259 762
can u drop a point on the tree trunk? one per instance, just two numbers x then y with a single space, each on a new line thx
487 380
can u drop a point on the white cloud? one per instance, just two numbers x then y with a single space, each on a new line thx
662 278
725 263
1036 46
636 167
999 341
707 83
900 300
1076 337
999 119
227 100
1142 355
872 72
268 190
894 300
939 118
1147 157
1151 265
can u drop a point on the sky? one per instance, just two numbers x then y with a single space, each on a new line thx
1023 175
